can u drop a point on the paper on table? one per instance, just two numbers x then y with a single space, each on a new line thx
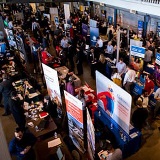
54 143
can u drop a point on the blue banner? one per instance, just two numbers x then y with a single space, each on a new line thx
138 51
84 29
94 33
110 19
158 58
93 23
140 25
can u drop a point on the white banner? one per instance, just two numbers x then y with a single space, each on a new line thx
52 82
115 101
90 137
54 11
75 120
66 11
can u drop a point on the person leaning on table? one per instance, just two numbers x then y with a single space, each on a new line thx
22 144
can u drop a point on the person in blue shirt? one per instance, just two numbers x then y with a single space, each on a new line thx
21 145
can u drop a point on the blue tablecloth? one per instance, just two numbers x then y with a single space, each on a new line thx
137 89
128 147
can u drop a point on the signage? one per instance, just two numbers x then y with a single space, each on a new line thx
66 12
114 100
94 33
158 58
75 120
140 28
137 51
52 83
84 29
93 23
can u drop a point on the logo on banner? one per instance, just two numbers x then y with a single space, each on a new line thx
138 51
158 58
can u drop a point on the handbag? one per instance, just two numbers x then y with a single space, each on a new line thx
117 81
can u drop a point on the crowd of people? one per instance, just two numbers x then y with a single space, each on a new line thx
70 52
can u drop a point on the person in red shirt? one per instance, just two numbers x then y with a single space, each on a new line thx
45 56
149 85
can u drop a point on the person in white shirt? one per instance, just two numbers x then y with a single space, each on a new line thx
64 42
157 106
99 42
121 66
144 98
129 79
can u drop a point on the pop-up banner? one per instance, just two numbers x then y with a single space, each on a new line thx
94 33
115 101
158 58
75 120
90 137
137 51
52 82
66 11
84 29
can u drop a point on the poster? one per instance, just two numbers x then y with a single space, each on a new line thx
90 137
75 120
66 12
94 33
158 58
84 29
54 11
137 51
140 29
93 23
115 101
52 82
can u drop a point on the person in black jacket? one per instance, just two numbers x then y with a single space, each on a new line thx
139 116
5 89
50 107
17 110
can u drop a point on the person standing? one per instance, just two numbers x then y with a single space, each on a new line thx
17 110
22 144
70 88
147 58
129 79
149 85
121 66
5 89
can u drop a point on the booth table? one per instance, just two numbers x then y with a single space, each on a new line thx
133 140
63 72
45 153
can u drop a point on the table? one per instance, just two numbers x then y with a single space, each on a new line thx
91 97
43 152
51 127
32 94
63 72
133 140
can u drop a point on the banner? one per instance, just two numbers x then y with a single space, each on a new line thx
52 82
90 137
93 23
115 101
54 11
140 28
94 33
137 51
110 20
75 120
66 12
84 29
158 29
158 58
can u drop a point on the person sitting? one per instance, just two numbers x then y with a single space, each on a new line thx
22 144
109 152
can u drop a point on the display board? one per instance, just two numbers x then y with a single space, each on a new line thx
84 29
75 120
115 101
93 23
52 82
140 28
158 58
90 137
66 12
137 51
94 33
